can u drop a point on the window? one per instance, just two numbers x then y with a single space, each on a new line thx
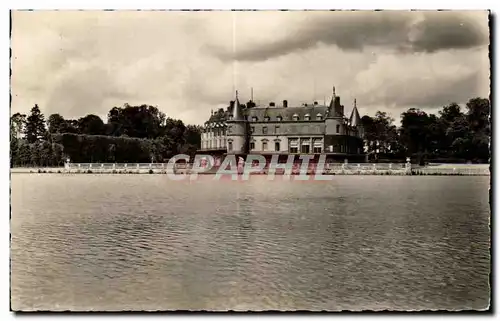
255 118
319 116
279 118
317 145
266 118
276 129
295 117
264 145
293 146
338 129
277 146
305 145
252 129
229 146
252 145
307 117
264 130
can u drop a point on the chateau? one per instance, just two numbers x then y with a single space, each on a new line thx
285 130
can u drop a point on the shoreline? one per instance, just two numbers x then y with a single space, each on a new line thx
425 171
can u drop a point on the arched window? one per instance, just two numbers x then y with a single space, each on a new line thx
307 117
279 118
277 145
295 117
319 116
254 118
266 118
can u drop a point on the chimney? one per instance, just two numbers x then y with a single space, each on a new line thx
315 103
285 103
272 104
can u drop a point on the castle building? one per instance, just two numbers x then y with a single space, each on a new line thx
311 129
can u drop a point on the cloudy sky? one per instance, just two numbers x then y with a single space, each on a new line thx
80 62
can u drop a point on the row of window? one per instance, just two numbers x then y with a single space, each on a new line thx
265 130
295 117
264 146
216 144
305 149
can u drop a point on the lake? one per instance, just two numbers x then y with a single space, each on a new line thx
144 242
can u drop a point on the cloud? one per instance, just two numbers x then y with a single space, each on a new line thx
86 62
426 80
404 32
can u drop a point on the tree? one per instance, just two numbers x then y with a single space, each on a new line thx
57 154
478 116
23 154
17 125
414 132
380 133
56 124
91 125
135 121
35 125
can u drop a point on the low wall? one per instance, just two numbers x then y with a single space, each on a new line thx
330 169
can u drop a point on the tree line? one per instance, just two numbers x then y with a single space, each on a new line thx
143 134
453 135
132 134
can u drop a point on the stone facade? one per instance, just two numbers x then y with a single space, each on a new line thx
309 129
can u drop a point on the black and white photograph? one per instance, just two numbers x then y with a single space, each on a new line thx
250 160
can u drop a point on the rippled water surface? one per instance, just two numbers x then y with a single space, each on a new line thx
133 242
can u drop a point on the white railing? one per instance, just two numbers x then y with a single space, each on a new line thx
481 171
329 168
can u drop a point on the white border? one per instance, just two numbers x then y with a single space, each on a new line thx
185 4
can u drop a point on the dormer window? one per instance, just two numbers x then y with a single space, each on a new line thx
266 118
254 118
319 116
295 117
307 117
279 118
230 117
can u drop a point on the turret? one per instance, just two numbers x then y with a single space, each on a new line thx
355 120
237 130
334 120
237 110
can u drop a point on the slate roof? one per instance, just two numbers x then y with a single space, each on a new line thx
237 110
286 113
354 120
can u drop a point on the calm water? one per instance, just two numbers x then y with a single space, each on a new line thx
133 242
